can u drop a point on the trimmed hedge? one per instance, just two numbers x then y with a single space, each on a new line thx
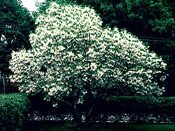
13 110
136 109
138 105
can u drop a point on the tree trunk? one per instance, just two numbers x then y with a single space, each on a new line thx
73 106
3 81
89 113
77 117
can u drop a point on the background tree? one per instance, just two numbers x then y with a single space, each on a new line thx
74 60
15 26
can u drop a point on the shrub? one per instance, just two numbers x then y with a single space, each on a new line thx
13 109
138 105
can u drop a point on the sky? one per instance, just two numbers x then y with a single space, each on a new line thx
30 4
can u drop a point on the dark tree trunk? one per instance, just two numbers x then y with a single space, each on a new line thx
76 115
89 114
3 81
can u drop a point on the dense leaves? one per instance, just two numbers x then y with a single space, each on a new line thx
152 17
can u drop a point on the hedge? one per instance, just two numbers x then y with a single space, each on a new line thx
13 110
138 104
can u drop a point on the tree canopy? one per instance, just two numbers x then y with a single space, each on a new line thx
73 56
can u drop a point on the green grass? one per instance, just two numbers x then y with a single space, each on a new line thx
54 126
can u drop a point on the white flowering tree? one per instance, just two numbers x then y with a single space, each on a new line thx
72 56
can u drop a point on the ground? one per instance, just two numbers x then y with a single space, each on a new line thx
55 126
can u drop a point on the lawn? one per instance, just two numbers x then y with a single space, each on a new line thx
54 126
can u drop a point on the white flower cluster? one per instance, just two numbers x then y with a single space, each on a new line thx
70 51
